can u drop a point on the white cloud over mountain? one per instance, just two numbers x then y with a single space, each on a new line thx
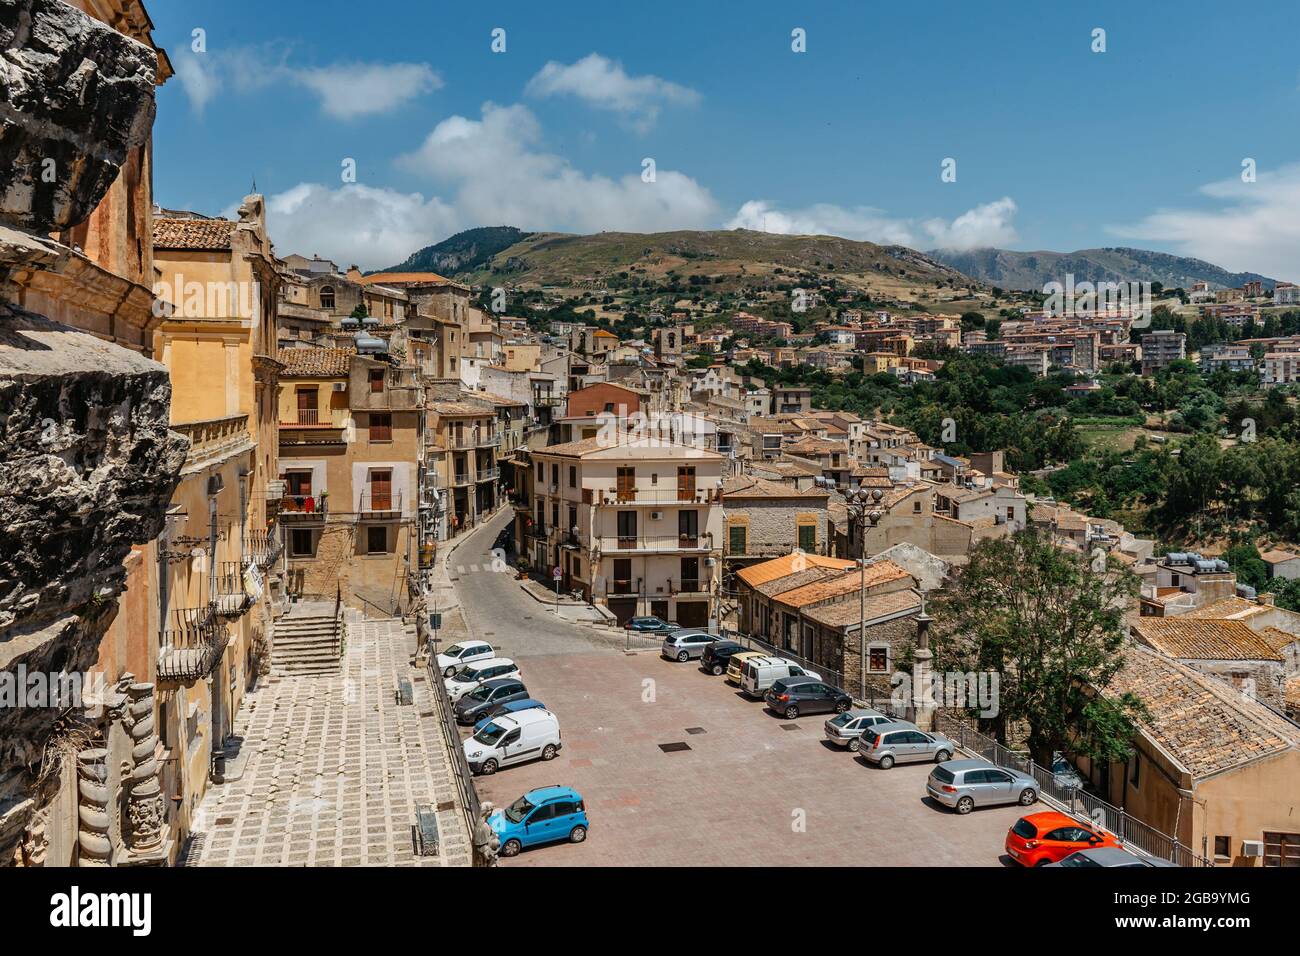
1249 227
989 224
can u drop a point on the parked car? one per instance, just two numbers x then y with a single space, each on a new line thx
541 816
967 784
718 655
650 625
900 742
845 730
458 655
490 693
736 666
1063 773
466 678
792 696
683 645
1042 838
758 673
512 739
1111 856
510 707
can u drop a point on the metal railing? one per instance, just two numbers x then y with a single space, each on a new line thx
836 677
384 503
486 474
1057 789
261 548
299 507
191 652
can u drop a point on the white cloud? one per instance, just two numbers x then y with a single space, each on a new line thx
499 175
370 227
985 225
348 90
345 90
604 84
1255 227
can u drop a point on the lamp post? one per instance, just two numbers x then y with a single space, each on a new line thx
863 504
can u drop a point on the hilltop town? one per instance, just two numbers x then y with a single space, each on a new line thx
300 533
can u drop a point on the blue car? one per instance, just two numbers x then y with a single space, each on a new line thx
544 815
509 707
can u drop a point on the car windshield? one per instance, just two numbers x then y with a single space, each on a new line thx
480 693
1079 859
454 651
839 720
490 734
466 675
518 810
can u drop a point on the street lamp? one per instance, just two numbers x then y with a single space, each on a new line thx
863 504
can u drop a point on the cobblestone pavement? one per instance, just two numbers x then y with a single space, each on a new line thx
752 789
335 768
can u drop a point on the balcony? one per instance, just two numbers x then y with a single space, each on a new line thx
460 442
233 598
295 509
491 441
379 506
215 439
261 548
487 474
461 478
660 496
191 652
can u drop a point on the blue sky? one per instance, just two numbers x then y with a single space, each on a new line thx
1056 147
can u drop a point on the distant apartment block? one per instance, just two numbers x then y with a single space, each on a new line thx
1161 349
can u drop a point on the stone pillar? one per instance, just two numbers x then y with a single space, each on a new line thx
144 796
923 697
94 845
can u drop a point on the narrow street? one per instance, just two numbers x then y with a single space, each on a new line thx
750 788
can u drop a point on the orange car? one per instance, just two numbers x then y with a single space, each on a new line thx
1049 836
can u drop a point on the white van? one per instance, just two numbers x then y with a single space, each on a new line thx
514 738
759 673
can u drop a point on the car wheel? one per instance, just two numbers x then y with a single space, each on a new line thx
791 712
683 657
1043 861
448 671
718 670
965 805
511 847
855 745
489 767
1027 796
941 756
548 752
578 834
841 707
886 762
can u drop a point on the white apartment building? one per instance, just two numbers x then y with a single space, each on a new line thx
634 526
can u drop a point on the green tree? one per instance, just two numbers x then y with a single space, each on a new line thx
1052 629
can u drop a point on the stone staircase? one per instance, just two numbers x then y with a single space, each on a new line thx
307 642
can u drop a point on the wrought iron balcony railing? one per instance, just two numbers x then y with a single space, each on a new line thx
192 650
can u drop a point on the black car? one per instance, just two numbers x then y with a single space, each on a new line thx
478 702
717 656
651 625
792 696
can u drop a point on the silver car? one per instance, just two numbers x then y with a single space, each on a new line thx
967 784
686 645
900 742
845 730
1110 856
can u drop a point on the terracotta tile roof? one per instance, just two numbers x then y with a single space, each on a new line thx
1278 556
210 234
765 571
747 486
314 362
460 409
1229 609
882 572
1196 639
851 613
404 278
1206 725
796 580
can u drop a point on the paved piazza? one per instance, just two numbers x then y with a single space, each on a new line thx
335 768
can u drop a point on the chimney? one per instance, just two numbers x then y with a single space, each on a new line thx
1267 598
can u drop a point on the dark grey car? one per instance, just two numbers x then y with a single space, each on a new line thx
487 695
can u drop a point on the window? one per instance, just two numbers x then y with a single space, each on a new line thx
686 483
573 476
300 543
307 414
381 426
1223 846
1281 849
690 574
688 528
541 472
327 297
737 536
555 514
622 575
376 380
555 475
627 529
377 540
299 483
626 484
916 507
878 659
808 537
573 519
